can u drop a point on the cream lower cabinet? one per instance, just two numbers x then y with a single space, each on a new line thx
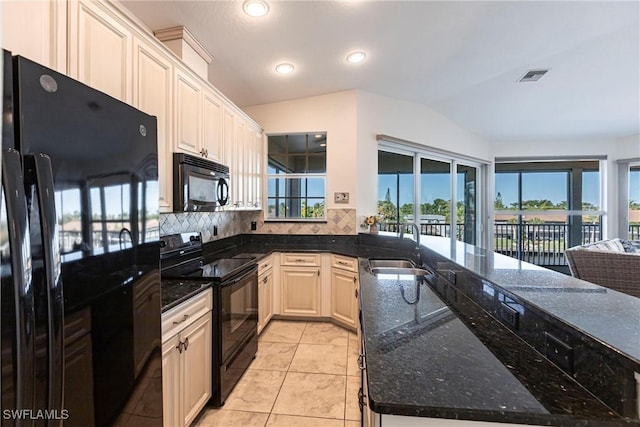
300 284
344 290
300 289
186 360
265 292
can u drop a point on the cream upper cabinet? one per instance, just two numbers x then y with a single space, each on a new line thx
153 94
100 49
237 167
36 30
211 125
253 166
228 134
187 113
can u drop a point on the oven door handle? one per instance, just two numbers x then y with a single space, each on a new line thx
232 282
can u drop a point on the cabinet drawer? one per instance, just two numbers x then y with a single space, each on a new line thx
265 264
300 259
344 262
183 315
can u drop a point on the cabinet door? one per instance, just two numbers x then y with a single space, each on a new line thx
228 135
43 40
343 296
187 116
100 49
212 125
196 367
258 161
265 299
300 291
238 163
152 94
252 168
171 384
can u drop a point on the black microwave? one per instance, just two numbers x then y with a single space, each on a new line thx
198 184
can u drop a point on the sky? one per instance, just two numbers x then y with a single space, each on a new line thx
550 186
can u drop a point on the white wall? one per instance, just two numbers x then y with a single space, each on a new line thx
352 120
629 147
409 121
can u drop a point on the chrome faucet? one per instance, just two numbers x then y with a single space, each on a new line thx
416 232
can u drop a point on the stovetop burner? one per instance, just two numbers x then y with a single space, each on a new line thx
181 258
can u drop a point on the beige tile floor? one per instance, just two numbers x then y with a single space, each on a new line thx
305 374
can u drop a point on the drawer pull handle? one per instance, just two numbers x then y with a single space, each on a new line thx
179 347
299 260
186 344
265 280
343 263
184 318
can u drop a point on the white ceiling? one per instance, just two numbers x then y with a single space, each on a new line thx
460 58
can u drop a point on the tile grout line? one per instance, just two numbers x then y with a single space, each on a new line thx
285 376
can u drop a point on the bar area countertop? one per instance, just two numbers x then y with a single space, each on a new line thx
606 315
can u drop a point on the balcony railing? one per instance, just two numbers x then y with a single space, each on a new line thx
541 244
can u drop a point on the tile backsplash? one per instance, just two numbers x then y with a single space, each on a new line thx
231 223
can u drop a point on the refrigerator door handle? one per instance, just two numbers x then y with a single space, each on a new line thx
39 166
20 247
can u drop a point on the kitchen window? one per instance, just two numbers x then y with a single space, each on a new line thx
296 176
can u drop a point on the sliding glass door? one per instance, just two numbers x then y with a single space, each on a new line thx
439 195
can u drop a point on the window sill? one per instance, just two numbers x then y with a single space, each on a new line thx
298 220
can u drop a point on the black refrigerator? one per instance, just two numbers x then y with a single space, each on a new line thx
79 250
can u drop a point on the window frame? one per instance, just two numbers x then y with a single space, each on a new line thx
418 152
293 176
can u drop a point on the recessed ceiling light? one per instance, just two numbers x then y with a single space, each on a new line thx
318 135
356 57
324 144
255 8
284 68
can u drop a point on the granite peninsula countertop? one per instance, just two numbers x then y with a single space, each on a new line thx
573 301
425 358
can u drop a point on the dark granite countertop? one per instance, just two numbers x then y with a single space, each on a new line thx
605 315
175 292
428 357
424 359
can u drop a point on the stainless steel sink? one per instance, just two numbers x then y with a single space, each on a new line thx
396 266
414 271
390 263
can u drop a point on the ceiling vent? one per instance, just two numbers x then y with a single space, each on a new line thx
533 76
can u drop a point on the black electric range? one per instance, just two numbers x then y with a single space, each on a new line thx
234 282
